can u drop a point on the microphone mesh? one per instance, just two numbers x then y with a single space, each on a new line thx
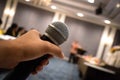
57 32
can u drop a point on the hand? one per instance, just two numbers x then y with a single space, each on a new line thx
27 47
33 47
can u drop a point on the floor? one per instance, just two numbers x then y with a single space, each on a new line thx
57 69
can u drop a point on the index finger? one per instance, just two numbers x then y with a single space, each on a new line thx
53 50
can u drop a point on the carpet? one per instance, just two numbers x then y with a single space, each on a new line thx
57 69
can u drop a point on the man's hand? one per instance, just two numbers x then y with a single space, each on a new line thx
27 47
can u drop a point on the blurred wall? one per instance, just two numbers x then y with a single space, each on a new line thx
2 6
31 17
117 38
87 34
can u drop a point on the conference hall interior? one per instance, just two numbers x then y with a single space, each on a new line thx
92 48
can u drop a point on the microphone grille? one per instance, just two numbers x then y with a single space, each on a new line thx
57 32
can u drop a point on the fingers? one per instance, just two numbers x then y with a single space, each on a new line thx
34 33
53 50
48 48
40 67
33 47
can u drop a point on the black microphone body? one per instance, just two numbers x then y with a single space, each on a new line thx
23 69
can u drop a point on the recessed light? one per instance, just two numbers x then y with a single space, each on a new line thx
53 7
80 14
107 21
27 0
91 1
118 5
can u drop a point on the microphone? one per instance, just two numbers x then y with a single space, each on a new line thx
56 33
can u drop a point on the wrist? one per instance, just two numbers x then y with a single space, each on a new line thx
17 49
10 53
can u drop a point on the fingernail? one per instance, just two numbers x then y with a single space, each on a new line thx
62 56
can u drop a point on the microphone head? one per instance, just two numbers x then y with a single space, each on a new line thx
57 32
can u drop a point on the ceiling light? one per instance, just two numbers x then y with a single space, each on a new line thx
80 14
27 0
7 11
45 2
118 5
53 7
91 1
107 21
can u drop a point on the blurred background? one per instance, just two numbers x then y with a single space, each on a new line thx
94 24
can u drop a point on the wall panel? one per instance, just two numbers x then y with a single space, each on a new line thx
2 6
31 17
87 34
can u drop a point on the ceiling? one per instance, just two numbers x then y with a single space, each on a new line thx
71 7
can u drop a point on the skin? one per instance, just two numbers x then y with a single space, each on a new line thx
27 47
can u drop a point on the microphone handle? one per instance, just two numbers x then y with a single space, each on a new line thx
24 69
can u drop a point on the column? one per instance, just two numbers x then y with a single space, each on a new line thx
106 41
9 13
109 42
59 17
